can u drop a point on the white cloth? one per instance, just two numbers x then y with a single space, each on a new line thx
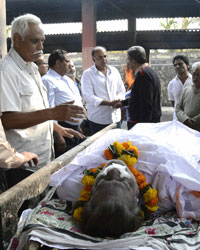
61 89
9 158
22 90
97 87
169 156
175 88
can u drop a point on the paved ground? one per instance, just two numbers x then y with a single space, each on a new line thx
167 115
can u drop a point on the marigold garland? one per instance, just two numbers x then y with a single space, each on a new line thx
129 154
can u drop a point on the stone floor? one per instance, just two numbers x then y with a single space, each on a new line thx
167 115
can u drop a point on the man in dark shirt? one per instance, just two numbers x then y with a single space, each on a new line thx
144 102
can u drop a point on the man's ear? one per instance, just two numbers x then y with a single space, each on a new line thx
17 39
93 59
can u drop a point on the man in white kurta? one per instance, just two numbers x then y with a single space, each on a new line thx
180 81
26 115
61 89
102 87
22 91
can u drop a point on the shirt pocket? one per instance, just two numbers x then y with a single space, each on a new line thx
26 96
26 91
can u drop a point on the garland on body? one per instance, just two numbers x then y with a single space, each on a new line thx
129 154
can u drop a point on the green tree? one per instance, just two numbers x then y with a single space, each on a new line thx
170 23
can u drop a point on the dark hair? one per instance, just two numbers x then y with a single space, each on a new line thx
138 54
183 58
57 54
111 218
97 48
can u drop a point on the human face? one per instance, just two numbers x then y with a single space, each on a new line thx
71 68
116 183
100 59
63 66
30 48
180 67
196 78
131 63
42 66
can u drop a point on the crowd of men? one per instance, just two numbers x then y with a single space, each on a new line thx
42 105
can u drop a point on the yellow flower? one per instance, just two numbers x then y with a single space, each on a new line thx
77 213
88 180
129 160
152 209
82 199
150 194
126 144
85 194
119 147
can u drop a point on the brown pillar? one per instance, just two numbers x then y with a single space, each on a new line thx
132 31
88 31
3 40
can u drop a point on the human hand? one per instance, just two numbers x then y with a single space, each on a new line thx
68 112
117 104
29 157
189 122
67 132
60 143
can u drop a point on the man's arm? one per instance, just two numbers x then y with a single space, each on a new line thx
170 93
9 158
22 120
180 113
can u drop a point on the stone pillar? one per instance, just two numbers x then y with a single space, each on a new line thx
88 31
3 40
132 31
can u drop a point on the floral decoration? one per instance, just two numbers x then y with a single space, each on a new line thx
129 154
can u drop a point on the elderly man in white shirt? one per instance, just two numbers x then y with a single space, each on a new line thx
180 81
26 116
62 89
102 88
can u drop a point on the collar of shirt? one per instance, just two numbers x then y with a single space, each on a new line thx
139 68
97 71
189 76
54 74
20 62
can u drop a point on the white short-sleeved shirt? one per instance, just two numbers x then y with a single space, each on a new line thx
22 90
97 87
61 89
175 88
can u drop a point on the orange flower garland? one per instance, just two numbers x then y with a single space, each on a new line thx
129 154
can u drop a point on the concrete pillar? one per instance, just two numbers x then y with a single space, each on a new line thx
3 40
88 31
132 31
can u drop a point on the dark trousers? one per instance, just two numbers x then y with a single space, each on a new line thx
96 127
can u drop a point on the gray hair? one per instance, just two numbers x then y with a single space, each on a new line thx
138 54
97 48
195 66
20 25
